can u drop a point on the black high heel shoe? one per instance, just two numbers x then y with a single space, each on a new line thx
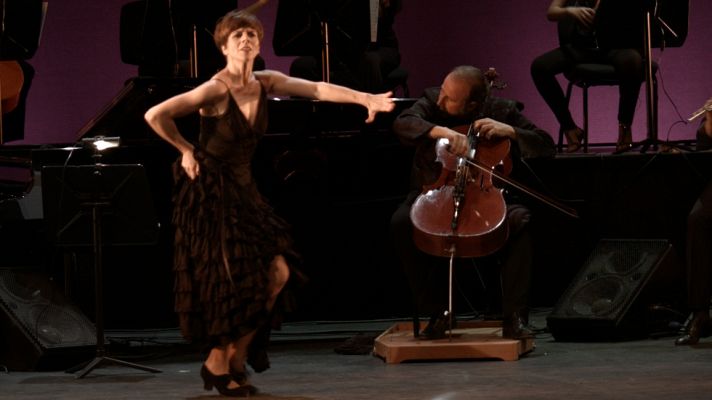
221 382
574 140
625 139
699 326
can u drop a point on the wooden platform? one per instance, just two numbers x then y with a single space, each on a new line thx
471 339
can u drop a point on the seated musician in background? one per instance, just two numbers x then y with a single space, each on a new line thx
366 71
699 250
203 15
463 98
586 46
168 41
232 254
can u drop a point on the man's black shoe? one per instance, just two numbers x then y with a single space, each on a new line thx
438 326
515 327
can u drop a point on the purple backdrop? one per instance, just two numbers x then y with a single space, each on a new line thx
79 70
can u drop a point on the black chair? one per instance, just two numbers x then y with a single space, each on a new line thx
588 75
585 76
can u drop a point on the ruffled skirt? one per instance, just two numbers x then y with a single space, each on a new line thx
226 237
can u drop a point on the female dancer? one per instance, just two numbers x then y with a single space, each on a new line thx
232 252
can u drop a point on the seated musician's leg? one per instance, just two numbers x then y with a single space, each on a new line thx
516 273
544 70
426 275
629 66
369 71
375 65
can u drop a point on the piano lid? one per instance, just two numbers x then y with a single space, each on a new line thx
123 115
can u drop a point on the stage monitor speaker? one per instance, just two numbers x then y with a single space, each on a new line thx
614 295
40 329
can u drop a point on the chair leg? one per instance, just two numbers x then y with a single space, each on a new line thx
560 143
585 119
655 105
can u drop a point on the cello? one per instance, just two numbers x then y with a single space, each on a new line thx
463 214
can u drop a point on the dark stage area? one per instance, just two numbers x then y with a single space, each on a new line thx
338 191
305 366
608 293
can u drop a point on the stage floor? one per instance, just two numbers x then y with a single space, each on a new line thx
305 367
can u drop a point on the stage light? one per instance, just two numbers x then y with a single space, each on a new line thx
101 143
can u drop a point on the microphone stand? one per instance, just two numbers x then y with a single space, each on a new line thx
325 67
651 95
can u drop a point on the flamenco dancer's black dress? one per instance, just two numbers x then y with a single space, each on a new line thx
226 234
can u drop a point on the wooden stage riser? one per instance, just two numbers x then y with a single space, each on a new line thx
471 340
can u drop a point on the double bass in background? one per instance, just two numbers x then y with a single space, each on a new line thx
11 81
20 32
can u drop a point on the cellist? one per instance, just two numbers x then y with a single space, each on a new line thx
464 98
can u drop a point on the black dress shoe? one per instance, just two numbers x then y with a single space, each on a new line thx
241 378
515 327
699 326
438 326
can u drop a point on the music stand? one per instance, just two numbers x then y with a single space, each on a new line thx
310 27
97 205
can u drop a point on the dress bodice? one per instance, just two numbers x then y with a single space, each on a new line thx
230 137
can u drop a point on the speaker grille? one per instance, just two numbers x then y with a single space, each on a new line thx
598 298
607 299
610 276
43 314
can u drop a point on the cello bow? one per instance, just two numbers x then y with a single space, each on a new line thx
531 192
